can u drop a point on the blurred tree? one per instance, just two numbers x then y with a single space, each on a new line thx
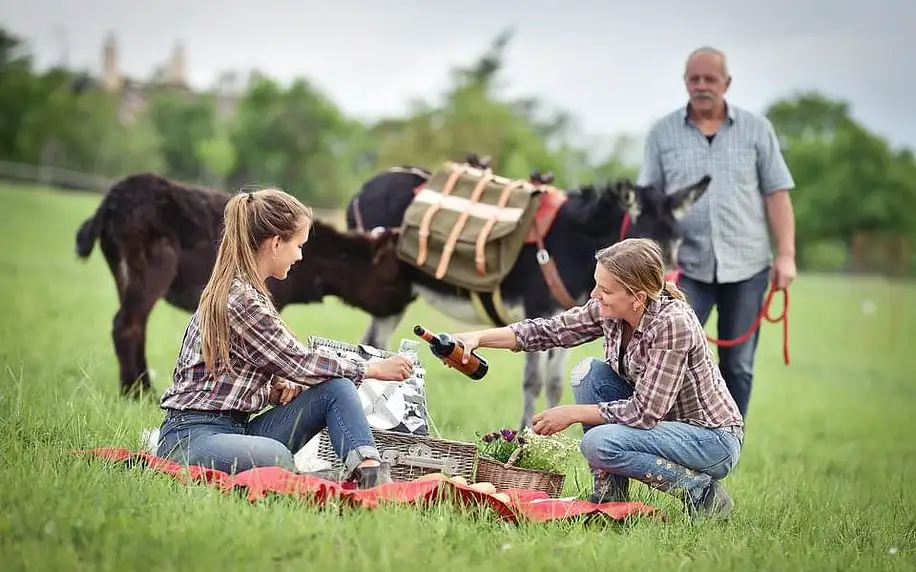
849 180
295 138
184 121
217 156
129 148
474 119
82 132
19 88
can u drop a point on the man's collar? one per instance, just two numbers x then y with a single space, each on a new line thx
729 113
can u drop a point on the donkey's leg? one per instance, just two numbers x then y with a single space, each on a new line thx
118 268
126 352
557 359
115 265
147 281
380 330
535 368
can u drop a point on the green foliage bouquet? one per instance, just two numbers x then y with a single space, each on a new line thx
529 450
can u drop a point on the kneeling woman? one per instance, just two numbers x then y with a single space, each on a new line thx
237 356
656 408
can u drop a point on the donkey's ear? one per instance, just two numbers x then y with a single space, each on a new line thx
626 194
680 200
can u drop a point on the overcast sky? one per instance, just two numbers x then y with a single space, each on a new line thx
617 65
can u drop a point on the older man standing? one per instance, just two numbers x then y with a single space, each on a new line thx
726 256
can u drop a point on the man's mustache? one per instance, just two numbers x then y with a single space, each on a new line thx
704 95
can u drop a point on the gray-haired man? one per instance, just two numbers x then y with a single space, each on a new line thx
726 257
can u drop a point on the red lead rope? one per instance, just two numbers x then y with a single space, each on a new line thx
764 313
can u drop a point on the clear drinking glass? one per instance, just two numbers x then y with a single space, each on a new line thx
410 348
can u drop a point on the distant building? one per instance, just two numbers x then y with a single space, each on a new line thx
135 94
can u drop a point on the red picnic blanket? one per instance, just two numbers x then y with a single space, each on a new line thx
524 503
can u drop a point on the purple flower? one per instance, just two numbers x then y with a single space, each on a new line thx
508 434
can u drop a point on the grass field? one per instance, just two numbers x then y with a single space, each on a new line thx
825 481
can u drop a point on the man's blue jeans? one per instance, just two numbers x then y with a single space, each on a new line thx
738 305
229 442
673 457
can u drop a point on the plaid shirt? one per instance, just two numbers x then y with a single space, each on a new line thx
671 367
260 347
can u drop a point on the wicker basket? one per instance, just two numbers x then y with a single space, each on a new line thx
505 476
412 456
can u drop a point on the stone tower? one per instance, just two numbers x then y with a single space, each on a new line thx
176 69
111 78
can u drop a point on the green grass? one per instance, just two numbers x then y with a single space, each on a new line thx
825 481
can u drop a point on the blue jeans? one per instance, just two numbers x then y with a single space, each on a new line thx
230 442
674 457
738 304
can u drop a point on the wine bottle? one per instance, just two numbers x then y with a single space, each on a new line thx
451 352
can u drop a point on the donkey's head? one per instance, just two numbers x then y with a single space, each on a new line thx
362 270
654 214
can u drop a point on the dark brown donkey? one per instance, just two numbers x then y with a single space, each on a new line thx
159 238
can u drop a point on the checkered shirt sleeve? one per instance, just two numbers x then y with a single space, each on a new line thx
273 349
568 329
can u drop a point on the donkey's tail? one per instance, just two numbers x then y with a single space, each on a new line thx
86 236
89 232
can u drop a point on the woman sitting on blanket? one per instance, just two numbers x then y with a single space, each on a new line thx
656 408
238 355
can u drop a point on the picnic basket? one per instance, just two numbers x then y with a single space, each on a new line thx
411 455
506 476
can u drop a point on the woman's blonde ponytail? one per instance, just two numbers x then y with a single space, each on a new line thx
673 291
234 252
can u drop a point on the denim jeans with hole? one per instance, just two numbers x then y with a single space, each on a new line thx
673 457
232 443
737 306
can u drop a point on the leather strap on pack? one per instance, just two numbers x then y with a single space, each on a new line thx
480 260
551 275
459 225
422 251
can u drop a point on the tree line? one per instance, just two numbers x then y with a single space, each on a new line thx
855 200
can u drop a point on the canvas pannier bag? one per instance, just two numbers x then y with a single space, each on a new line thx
466 226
